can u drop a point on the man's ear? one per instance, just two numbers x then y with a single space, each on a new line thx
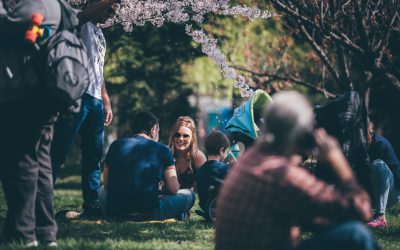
153 132
222 150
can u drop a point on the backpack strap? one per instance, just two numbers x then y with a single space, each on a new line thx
69 19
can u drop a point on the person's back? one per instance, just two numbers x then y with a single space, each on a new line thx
209 174
217 146
261 195
137 171
267 196
136 166
382 149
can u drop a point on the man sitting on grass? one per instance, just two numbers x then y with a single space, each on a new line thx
134 168
267 196
217 147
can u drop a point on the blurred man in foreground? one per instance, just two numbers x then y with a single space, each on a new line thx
267 197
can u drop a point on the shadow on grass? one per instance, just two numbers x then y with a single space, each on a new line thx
69 177
68 185
140 232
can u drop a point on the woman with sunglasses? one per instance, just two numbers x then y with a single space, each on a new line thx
183 145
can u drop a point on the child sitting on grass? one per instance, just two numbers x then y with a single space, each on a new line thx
217 147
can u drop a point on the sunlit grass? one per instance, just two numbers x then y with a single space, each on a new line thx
194 234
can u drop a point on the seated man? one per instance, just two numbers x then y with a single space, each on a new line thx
134 168
267 196
217 147
385 177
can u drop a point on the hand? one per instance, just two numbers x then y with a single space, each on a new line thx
331 153
108 115
326 144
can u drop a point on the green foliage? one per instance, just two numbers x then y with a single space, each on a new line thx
258 46
144 72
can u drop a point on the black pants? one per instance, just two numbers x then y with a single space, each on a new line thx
26 131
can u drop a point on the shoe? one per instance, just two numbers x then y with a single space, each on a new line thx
31 244
51 244
71 215
378 221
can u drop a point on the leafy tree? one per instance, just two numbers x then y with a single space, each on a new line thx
144 69
355 46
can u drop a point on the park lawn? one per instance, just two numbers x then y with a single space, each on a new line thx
194 234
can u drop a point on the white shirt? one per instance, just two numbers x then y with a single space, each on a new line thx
95 44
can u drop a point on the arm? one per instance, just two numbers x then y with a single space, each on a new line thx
105 177
330 153
199 159
319 201
171 180
108 115
95 10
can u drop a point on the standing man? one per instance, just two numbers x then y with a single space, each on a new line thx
26 132
133 172
94 115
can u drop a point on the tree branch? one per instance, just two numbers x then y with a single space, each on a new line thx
335 34
323 57
274 77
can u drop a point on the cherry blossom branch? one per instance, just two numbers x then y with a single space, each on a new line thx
132 13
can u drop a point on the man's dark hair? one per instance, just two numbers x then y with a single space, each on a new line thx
215 141
143 122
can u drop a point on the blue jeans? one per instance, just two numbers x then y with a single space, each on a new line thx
89 123
350 235
384 192
171 206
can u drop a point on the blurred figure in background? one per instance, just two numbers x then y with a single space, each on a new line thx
385 177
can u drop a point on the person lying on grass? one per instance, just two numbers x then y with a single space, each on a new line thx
134 168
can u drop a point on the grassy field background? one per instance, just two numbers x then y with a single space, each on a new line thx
195 234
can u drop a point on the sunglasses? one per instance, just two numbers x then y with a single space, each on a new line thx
178 135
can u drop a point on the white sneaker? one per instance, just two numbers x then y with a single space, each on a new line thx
31 244
52 244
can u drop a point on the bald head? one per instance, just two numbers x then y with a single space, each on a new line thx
287 120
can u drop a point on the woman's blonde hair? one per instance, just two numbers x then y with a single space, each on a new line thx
188 122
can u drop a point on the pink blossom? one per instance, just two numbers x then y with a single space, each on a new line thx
130 13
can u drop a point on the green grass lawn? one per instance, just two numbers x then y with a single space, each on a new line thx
132 235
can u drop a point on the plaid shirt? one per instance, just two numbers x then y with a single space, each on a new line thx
264 197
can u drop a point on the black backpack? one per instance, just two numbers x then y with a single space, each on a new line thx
57 72
66 71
